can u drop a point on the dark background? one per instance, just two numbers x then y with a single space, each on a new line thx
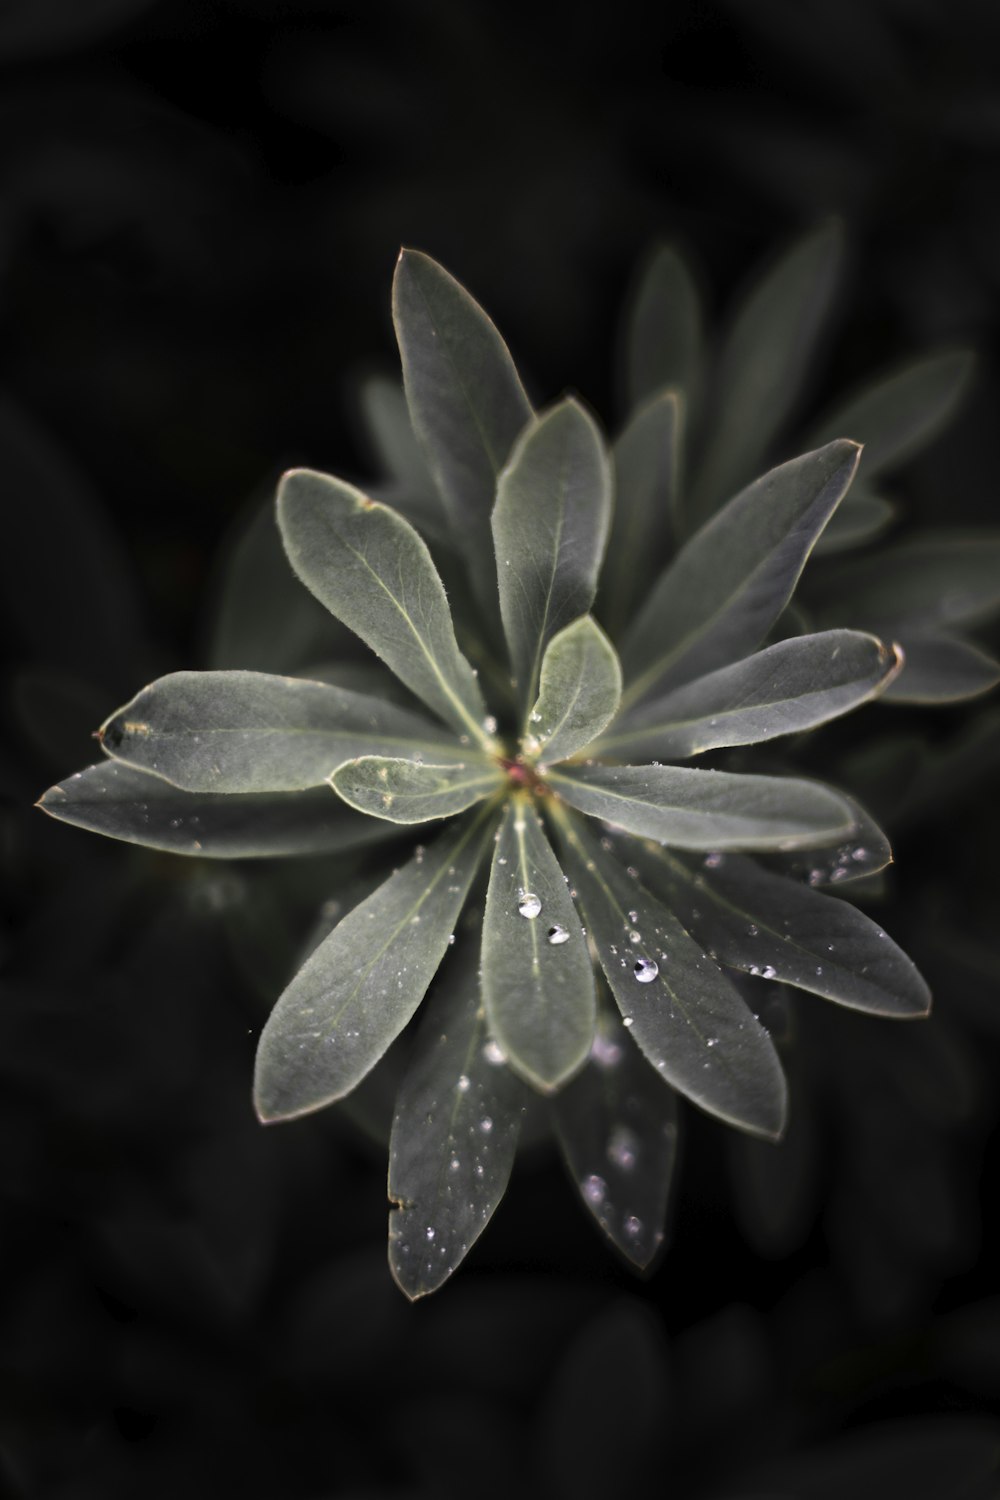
201 203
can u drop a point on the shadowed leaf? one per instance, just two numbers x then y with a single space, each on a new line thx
396 450
859 517
936 578
647 492
663 330
942 668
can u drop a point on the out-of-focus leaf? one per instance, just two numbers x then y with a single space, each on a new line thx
30 28
646 461
252 732
457 1121
779 929
776 1184
373 572
679 1007
935 578
550 526
695 809
123 803
717 600
578 696
358 989
410 488
538 983
617 1128
858 518
763 364
663 338
465 398
899 412
942 668
410 791
790 686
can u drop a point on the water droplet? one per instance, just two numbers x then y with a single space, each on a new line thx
605 1051
711 1041
635 937
490 724
594 1189
623 1148
815 877
536 717
429 1232
529 904
712 861
645 970
769 972
628 1021
494 1054
454 1164
752 930
633 1226
859 855
558 934
486 1124
463 1084
451 939
633 916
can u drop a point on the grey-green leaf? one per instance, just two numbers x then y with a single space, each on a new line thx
858 518
838 860
899 413
663 335
646 460
764 363
940 668
776 928
538 984
694 809
550 526
372 570
717 600
617 1129
934 578
679 1007
465 398
409 791
122 803
578 696
457 1121
253 732
358 989
788 687
399 456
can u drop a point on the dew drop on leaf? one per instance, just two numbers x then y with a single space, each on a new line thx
494 1054
645 970
594 1189
558 934
529 904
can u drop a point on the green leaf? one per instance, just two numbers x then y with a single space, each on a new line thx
775 928
679 1007
357 990
695 809
122 803
941 668
538 984
647 495
764 363
617 1129
465 398
863 853
790 686
858 518
455 1131
936 578
719 597
899 412
251 732
371 569
581 684
663 335
408 791
550 525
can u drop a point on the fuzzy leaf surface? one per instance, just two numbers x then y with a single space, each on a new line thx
942 668
539 993
694 809
254 732
550 526
580 689
767 925
123 803
646 460
409 791
689 1020
617 1130
465 398
357 990
719 597
790 686
374 572
454 1134
663 339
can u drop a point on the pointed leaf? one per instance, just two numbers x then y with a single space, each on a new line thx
790 686
122 803
767 925
647 494
371 569
357 990
580 687
411 490
899 412
941 668
663 335
694 809
538 984
465 398
409 791
251 732
859 517
717 600
617 1129
837 861
550 525
455 1131
679 1007
935 578
764 363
